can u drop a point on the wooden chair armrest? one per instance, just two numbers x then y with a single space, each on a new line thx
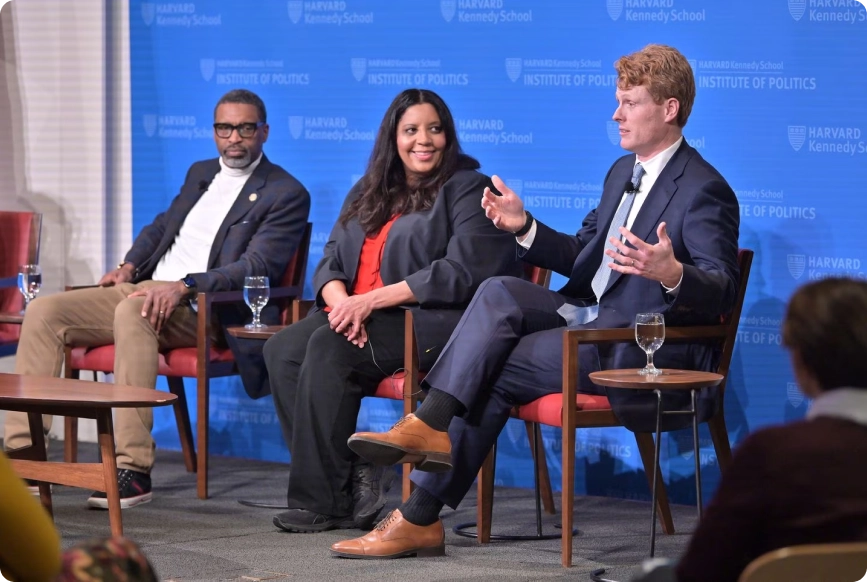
300 309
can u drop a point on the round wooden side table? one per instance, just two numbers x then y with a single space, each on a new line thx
261 333
668 380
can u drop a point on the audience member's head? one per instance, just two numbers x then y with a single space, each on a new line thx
240 127
825 331
666 74
415 153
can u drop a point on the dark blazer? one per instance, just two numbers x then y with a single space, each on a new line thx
443 254
702 217
257 238
801 483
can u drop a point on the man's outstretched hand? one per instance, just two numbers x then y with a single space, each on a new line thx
506 211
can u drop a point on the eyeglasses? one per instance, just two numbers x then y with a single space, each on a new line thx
245 130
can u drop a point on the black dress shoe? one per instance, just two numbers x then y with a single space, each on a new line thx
370 483
303 521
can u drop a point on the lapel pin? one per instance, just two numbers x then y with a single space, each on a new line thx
253 197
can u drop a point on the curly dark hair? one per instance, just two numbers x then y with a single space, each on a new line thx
385 190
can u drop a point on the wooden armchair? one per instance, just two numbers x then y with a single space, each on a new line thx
571 410
841 562
202 362
19 245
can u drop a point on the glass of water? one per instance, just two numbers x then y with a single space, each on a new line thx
256 294
29 282
649 334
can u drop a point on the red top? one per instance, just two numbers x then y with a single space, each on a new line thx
368 278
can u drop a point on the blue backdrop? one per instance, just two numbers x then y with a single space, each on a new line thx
779 112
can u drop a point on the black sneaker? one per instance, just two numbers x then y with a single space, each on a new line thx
303 521
369 486
134 489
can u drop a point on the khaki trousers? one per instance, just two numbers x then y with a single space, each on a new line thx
95 317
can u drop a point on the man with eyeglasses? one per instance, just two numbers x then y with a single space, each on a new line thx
236 216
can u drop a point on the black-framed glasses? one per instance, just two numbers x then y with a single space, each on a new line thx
245 130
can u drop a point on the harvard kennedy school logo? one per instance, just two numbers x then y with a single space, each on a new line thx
448 8
207 67
796 264
513 68
296 125
615 8
797 8
296 10
149 120
359 67
614 132
147 12
797 135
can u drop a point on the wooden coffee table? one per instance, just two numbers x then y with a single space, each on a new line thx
65 397
668 380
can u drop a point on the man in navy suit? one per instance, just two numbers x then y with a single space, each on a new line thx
663 239
236 216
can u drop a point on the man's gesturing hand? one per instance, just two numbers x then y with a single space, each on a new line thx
506 211
654 262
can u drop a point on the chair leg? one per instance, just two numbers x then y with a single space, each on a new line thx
541 465
485 501
646 450
182 418
202 429
720 437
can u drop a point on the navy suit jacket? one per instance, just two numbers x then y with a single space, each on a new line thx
443 254
702 218
257 238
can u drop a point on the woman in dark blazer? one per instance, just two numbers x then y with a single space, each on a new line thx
411 235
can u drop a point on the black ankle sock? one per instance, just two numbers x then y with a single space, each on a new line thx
438 409
421 508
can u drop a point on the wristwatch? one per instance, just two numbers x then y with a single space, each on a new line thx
528 224
189 282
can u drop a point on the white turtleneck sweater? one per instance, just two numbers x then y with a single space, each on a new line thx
192 247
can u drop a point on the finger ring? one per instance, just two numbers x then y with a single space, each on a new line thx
633 262
163 312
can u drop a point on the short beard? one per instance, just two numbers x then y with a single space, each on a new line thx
237 163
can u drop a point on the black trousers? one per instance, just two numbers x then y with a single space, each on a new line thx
318 379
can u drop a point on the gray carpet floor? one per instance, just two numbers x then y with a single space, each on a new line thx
190 540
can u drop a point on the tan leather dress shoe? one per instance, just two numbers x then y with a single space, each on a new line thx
395 537
409 441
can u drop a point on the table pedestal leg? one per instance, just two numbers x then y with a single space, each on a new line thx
697 457
655 471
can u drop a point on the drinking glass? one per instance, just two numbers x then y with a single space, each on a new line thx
29 283
256 294
649 334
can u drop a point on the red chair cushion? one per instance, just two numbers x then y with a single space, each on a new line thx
392 386
178 362
549 409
